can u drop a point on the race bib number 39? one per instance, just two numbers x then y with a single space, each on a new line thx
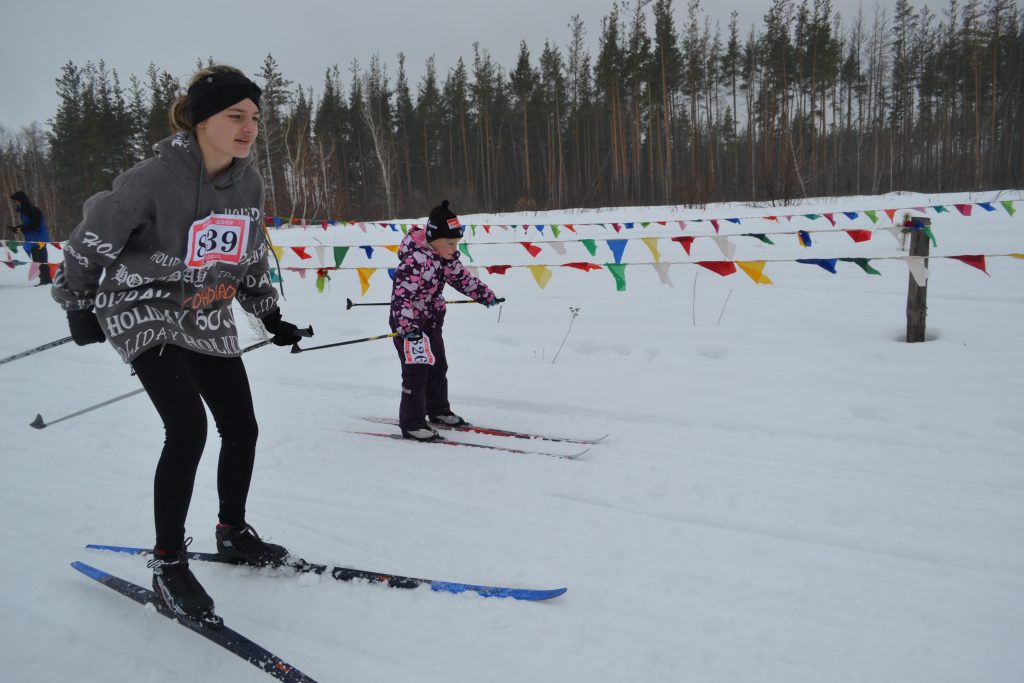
218 237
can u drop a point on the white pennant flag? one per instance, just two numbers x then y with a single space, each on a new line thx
727 247
918 269
662 270
557 246
319 255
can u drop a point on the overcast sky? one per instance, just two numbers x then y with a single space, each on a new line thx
304 36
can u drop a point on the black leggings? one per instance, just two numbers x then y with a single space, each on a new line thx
178 381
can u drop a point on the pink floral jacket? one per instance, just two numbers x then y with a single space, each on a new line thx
417 294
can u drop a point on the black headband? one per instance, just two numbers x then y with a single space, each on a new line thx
216 92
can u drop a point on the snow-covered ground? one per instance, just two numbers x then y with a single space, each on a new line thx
788 493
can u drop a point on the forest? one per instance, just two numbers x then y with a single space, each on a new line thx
670 110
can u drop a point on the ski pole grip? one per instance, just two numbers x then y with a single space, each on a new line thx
308 332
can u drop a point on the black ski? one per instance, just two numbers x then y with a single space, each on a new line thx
230 640
490 447
495 431
392 580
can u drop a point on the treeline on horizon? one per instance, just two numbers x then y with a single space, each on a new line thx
671 110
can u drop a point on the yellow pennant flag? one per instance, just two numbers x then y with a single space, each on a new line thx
1021 256
364 277
278 252
652 244
542 274
755 269
393 248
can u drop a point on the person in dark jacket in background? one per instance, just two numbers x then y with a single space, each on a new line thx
33 229
154 267
427 260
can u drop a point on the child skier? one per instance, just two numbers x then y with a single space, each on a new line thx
427 259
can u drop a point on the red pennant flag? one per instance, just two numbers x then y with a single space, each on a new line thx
977 261
859 235
714 223
568 226
497 270
891 213
686 242
301 251
583 265
723 268
661 222
830 219
487 229
964 209
532 248
772 218
323 224
617 226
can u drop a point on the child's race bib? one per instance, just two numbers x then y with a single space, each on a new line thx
418 352
218 237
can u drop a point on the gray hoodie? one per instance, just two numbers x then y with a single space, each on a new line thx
155 270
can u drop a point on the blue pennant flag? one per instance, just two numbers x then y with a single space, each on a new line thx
617 247
828 264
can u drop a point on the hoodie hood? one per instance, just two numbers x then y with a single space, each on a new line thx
21 198
181 153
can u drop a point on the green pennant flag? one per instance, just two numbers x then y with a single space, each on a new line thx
591 246
764 238
339 255
931 236
275 275
618 271
12 245
863 263
555 231
644 225
464 248
940 209
1008 205
812 216
873 215
472 230
321 280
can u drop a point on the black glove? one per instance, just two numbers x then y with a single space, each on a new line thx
85 328
285 334
497 300
413 335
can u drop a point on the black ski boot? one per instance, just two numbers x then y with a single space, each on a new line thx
423 433
448 419
242 545
179 589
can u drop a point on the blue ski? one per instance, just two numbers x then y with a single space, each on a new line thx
392 580
230 640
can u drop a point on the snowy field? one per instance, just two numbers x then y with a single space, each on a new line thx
789 492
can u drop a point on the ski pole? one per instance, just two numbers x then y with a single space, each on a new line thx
296 349
37 349
349 303
40 423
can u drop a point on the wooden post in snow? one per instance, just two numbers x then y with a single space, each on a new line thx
917 295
